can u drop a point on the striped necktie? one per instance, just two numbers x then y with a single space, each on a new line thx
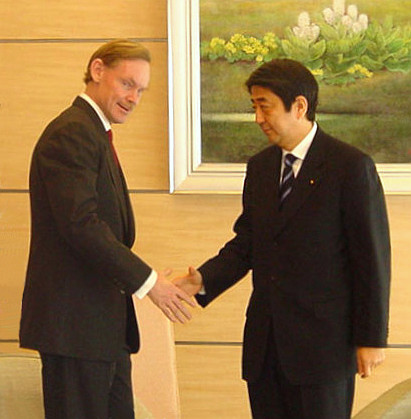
287 178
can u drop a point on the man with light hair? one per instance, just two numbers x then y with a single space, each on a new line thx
77 308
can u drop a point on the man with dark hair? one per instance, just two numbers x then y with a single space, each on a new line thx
314 232
77 308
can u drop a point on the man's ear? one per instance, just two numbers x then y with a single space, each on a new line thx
96 69
300 106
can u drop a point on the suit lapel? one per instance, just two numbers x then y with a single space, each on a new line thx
120 188
308 179
128 212
271 173
268 190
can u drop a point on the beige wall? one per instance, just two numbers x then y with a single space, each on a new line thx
44 47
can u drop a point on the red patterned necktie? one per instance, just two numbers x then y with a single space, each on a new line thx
113 150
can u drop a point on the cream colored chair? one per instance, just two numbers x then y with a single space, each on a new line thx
21 394
393 404
20 387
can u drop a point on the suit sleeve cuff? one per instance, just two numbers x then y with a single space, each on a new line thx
146 287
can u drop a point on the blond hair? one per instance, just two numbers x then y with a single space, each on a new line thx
114 51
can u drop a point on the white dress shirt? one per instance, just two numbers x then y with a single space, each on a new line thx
300 151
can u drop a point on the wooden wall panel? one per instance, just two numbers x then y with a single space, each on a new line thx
399 211
222 321
40 80
14 241
28 19
210 383
181 230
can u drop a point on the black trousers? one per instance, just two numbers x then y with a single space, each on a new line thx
81 389
272 396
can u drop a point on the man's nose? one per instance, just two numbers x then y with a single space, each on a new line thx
134 97
259 116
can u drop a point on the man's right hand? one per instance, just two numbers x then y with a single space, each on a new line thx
169 298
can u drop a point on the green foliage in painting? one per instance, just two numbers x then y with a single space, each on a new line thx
340 47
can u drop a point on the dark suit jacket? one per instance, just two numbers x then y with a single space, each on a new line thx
321 266
81 273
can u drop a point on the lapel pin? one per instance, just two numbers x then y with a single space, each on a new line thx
312 181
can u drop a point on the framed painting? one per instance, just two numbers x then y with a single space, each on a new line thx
360 54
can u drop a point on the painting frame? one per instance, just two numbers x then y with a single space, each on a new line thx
188 174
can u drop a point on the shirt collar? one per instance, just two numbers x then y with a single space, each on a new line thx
301 150
97 109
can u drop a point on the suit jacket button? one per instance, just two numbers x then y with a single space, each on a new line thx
122 292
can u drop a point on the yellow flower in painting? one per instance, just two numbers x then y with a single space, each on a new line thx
238 38
230 47
269 40
253 40
317 72
259 58
215 42
248 49
366 72
358 68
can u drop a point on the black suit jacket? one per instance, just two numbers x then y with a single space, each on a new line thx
321 265
81 272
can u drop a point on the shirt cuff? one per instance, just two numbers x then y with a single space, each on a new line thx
146 287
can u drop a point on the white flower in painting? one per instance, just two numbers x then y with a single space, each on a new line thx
298 31
363 21
352 12
329 16
315 32
304 20
357 27
336 15
339 7
301 32
306 29
310 33
347 21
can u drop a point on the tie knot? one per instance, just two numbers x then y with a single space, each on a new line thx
289 159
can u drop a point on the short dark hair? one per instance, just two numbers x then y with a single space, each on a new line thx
114 51
287 79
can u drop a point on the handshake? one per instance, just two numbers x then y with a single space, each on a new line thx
170 296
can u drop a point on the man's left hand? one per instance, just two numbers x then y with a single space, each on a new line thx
367 359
